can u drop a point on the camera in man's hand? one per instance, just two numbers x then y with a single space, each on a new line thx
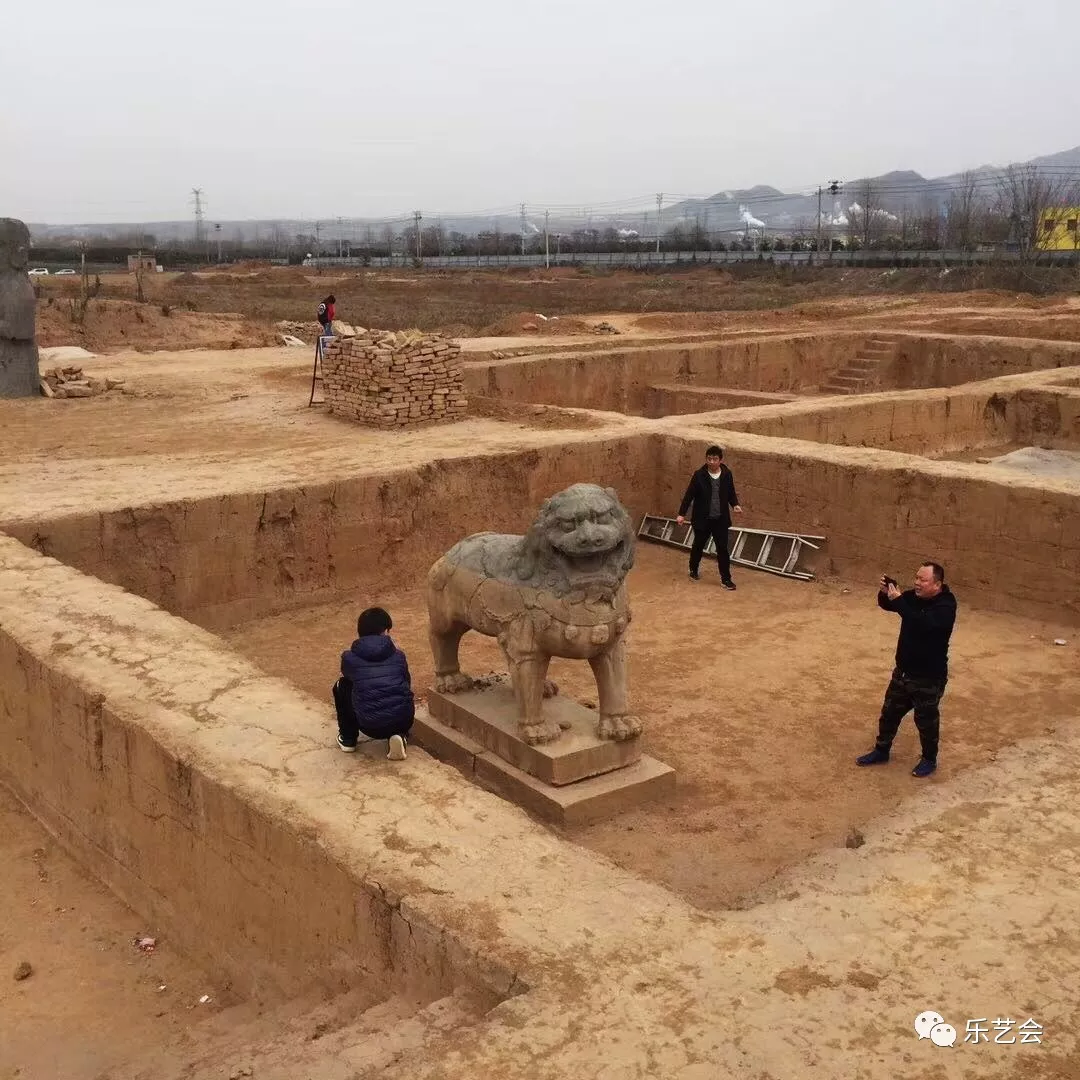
890 581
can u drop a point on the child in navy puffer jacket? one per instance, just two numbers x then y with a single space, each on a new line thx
374 695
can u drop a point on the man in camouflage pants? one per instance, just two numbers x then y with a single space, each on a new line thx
927 616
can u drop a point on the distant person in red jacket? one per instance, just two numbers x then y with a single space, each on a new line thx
325 316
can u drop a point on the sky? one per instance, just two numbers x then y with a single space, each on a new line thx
114 111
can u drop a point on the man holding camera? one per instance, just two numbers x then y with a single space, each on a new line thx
927 615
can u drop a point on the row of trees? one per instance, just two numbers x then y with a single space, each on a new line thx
1020 209
1010 209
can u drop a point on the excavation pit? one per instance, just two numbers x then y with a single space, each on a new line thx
948 423
186 754
293 567
665 380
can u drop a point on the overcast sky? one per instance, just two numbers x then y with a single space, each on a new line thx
115 110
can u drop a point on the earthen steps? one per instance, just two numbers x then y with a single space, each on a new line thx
859 375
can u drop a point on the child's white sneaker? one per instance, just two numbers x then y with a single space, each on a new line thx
396 751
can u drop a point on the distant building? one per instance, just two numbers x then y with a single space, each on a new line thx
1058 229
142 262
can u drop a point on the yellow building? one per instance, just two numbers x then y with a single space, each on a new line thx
1058 231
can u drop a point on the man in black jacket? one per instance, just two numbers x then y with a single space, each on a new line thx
927 616
712 491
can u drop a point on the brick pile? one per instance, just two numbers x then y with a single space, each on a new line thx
70 382
393 380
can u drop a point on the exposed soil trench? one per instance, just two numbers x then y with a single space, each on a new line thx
93 997
759 699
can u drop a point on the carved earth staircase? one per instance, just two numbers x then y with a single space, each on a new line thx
860 376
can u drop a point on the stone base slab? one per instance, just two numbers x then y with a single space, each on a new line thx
593 799
488 715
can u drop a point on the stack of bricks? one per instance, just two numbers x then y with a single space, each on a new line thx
393 380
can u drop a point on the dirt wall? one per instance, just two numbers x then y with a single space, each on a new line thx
925 361
1010 547
164 763
622 380
673 399
1046 418
222 560
930 424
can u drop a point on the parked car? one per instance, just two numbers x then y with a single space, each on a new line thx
37 270
69 271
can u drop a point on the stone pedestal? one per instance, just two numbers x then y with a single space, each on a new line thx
575 779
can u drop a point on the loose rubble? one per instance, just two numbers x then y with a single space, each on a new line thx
309 331
389 379
70 382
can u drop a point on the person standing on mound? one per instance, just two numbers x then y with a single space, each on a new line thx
712 492
374 696
325 314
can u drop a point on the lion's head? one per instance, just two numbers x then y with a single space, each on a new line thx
582 538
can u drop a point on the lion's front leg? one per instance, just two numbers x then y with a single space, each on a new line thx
615 720
528 674
449 678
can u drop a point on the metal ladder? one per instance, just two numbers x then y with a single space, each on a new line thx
316 373
664 530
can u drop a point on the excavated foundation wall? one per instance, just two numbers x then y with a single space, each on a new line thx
174 770
1047 418
1010 547
628 380
929 425
675 400
623 380
224 560
920 362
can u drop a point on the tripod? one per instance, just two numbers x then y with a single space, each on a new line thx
316 372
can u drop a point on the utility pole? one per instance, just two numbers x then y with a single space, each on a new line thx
318 242
522 228
217 229
659 208
834 188
198 193
339 224
547 253
817 246
419 236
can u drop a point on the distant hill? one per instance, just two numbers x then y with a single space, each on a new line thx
726 211
893 191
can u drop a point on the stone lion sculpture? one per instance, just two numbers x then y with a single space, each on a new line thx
559 590
18 353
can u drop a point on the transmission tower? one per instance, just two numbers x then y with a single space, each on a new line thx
198 193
